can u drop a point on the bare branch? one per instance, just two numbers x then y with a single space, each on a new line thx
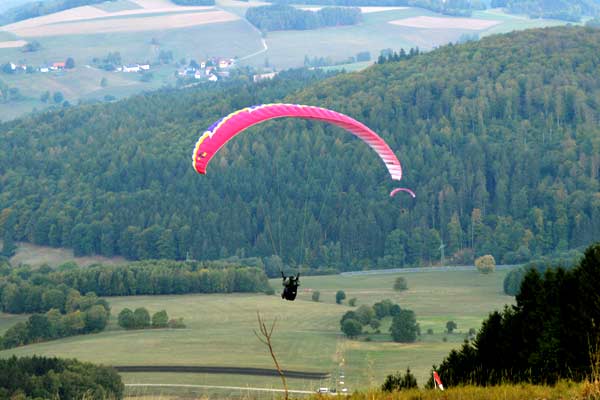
266 340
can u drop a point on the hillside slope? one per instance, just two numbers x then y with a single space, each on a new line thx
498 138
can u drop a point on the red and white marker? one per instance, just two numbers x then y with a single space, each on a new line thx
438 381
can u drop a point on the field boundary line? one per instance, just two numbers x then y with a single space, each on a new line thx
253 389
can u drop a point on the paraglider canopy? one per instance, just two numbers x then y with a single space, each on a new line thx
223 130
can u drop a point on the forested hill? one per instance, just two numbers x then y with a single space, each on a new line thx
499 139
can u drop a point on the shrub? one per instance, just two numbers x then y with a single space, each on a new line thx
176 323
399 382
316 295
450 326
142 317
160 319
351 328
340 296
486 264
400 284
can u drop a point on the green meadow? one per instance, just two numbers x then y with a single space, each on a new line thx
220 329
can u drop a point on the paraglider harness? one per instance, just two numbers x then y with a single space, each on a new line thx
290 286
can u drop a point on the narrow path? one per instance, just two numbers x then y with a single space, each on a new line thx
252 389
264 49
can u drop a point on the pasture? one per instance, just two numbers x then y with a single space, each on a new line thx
307 338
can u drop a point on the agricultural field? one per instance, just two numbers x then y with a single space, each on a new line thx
220 329
140 29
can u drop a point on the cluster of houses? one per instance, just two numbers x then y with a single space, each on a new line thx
212 69
57 66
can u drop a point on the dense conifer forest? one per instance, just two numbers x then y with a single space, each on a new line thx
550 334
284 17
499 139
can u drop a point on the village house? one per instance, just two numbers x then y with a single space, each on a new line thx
262 77
213 78
225 63
57 66
131 68
145 67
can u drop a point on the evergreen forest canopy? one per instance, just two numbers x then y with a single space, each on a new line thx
279 17
568 10
499 139
550 334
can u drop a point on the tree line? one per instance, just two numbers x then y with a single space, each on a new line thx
88 316
23 290
448 7
140 319
551 333
512 281
279 17
42 377
556 9
498 138
162 277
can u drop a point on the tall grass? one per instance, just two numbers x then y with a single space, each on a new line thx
563 390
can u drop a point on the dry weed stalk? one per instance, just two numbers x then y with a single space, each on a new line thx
265 338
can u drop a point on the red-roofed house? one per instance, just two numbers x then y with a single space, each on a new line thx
57 65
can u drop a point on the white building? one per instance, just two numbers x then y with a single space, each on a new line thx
131 68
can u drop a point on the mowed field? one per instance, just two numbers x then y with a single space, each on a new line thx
307 337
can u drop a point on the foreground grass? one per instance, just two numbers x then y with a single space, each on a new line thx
563 390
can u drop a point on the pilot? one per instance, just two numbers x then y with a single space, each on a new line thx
290 286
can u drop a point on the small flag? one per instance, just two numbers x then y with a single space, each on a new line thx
438 381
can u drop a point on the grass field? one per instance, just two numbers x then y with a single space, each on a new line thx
220 331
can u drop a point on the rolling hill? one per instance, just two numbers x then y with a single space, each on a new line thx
497 137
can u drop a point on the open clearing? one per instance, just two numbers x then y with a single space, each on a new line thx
426 22
35 256
220 331
12 44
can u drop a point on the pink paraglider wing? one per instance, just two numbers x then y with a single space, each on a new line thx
393 192
219 133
